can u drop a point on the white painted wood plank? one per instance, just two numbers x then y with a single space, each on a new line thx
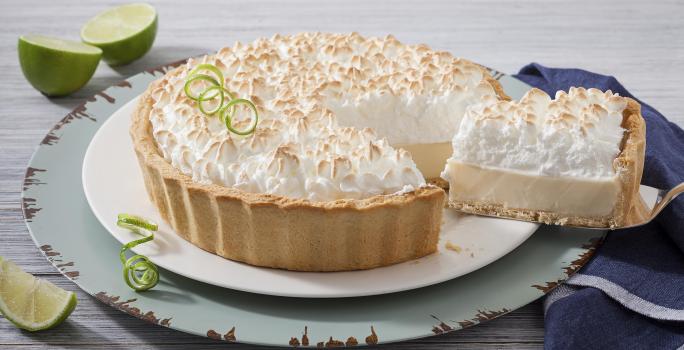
640 44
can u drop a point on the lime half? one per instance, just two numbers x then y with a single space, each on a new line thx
31 303
56 67
124 33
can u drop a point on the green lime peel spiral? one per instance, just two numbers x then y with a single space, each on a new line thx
227 103
139 272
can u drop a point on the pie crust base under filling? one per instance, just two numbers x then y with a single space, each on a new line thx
280 232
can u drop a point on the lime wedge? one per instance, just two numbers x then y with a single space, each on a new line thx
31 303
56 67
124 33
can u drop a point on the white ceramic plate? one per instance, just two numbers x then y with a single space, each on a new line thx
113 184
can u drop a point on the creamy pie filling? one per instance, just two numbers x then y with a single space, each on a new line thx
429 157
524 190
540 153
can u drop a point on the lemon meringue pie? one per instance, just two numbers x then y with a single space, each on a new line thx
326 181
576 159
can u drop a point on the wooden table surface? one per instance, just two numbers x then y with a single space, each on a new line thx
641 44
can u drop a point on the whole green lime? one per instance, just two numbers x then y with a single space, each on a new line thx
54 66
124 33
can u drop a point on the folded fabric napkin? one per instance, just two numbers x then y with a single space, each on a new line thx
631 294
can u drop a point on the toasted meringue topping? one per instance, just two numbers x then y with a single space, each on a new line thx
329 107
577 134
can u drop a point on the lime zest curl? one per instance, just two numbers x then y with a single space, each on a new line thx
139 272
211 68
226 114
222 92
202 98
217 90
134 223
198 77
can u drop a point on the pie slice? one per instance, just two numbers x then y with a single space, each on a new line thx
334 176
576 159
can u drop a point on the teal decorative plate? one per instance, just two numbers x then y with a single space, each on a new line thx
72 239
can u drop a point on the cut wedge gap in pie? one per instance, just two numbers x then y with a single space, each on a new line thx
326 182
576 159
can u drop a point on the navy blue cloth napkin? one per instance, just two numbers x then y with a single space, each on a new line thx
631 294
